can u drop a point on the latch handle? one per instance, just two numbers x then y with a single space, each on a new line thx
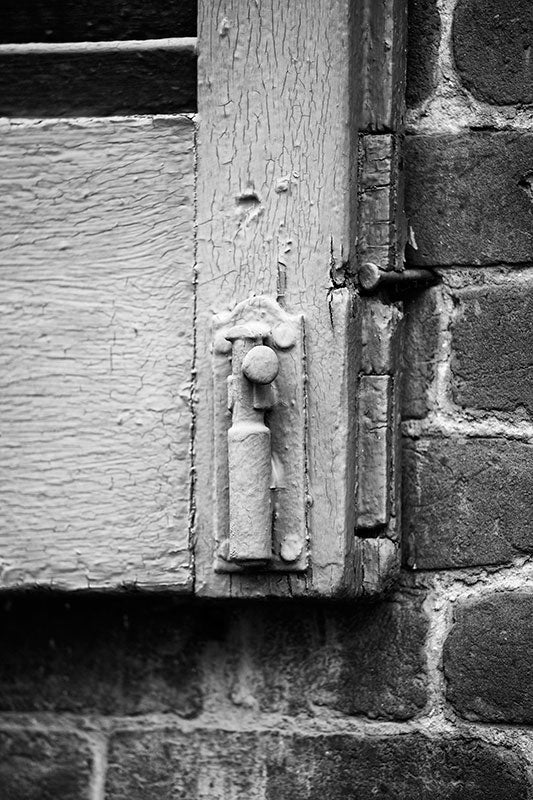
254 368
259 450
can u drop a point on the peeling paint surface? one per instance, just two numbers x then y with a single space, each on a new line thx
97 307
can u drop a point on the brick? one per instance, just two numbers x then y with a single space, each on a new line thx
404 767
466 501
421 340
222 765
468 198
492 341
492 41
357 659
423 38
172 765
488 659
106 655
44 766
137 655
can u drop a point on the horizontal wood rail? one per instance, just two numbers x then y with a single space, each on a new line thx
183 44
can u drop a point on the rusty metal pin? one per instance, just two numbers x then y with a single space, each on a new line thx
371 277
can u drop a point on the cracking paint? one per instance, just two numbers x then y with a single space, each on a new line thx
193 382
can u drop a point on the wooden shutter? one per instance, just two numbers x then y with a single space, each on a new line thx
290 95
129 242
97 288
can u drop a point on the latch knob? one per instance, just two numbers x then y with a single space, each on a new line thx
260 364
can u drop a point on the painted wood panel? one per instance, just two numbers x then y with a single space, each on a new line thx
274 128
285 90
96 345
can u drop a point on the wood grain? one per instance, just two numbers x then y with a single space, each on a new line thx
378 545
381 220
96 345
380 64
381 31
374 450
379 110
274 199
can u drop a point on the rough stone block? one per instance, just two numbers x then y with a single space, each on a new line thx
393 768
488 659
492 41
420 349
466 501
469 198
219 765
145 654
44 766
357 659
99 654
423 37
172 765
492 343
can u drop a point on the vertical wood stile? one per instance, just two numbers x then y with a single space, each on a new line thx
380 231
274 191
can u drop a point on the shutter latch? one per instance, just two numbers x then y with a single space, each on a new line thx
260 456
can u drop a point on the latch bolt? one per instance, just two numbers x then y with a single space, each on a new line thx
254 367
371 277
259 448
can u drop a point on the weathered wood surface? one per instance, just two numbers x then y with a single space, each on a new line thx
379 110
374 449
381 234
380 64
96 296
381 223
274 197
95 20
378 548
82 80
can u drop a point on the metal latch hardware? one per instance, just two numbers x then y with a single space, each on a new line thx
371 278
260 473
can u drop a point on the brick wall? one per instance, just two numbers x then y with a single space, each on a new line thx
428 693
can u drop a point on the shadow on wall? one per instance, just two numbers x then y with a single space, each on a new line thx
137 654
